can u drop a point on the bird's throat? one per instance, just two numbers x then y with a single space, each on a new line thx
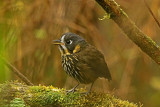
63 50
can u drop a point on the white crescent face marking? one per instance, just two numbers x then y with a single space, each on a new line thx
62 38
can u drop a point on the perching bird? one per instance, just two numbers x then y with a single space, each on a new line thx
81 60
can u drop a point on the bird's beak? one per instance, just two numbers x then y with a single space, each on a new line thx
57 42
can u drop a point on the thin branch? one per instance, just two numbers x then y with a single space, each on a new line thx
145 43
18 73
150 11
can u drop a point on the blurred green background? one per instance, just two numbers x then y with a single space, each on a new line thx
27 28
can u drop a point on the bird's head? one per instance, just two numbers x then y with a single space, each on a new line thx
70 43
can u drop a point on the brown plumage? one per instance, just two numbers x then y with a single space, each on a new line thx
81 60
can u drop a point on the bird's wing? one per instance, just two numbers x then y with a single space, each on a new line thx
95 61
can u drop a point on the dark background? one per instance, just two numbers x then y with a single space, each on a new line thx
28 27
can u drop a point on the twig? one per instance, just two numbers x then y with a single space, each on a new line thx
150 11
18 73
145 43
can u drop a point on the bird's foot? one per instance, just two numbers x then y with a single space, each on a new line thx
85 93
71 90
88 92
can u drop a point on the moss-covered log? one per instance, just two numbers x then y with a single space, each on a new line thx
19 95
130 29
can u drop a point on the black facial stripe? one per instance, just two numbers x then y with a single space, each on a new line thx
62 49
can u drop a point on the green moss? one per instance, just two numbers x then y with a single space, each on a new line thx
124 13
42 95
106 16
45 96
17 102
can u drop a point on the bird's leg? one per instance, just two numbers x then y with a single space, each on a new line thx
73 89
85 93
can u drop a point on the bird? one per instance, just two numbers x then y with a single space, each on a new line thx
81 60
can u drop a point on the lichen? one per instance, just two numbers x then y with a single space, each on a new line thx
106 16
49 95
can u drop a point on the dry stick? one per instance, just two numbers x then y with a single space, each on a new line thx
146 44
19 74
152 13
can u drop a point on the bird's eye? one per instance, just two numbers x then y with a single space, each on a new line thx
69 42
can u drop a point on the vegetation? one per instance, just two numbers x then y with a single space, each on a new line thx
27 29
20 95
